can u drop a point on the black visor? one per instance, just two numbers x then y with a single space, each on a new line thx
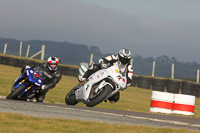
124 60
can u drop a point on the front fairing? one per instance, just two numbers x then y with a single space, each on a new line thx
117 77
19 78
38 81
112 73
29 75
84 91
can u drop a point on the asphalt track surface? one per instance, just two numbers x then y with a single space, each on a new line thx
97 114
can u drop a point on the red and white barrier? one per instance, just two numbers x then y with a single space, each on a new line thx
161 102
165 102
184 104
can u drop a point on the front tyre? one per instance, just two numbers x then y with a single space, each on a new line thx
15 93
99 97
70 98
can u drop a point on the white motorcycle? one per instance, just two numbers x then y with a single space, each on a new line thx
100 86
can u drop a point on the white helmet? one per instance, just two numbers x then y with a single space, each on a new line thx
52 63
124 56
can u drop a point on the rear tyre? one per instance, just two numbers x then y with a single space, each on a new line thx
92 101
70 98
15 93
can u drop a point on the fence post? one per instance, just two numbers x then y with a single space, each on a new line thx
42 52
91 59
153 69
27 52
197 75
5 47
20 49
131 62
172 74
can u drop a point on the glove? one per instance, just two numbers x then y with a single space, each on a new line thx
81 79
28 67
128 84
43 87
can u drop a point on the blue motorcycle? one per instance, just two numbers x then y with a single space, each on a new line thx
28 84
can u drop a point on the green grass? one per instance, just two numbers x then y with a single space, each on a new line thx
14 123
131 99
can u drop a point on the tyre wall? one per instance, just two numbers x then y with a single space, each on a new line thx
22 62
144 82
134 81
25 62
188 88
2 60
157 84
173 86
197 91
69 71
12 61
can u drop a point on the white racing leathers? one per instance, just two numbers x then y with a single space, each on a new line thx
127 69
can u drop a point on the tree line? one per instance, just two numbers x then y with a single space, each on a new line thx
73 54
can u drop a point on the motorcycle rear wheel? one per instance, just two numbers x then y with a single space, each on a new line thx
100 97
15 93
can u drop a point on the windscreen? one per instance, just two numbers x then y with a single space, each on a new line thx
39 72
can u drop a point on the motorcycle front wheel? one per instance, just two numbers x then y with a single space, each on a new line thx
95 99
70 98
15 93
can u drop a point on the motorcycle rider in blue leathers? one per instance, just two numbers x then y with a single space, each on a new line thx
52 77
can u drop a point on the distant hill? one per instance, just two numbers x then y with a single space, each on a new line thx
73 54
70 53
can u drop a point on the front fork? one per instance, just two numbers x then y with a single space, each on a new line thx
25 90
78 85
15 86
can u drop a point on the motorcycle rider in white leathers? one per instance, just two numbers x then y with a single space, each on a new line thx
123 59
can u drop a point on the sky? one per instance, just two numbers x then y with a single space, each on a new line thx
149 28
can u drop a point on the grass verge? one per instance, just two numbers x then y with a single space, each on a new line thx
131 99
14 123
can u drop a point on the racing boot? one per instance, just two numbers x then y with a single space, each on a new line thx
114 98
